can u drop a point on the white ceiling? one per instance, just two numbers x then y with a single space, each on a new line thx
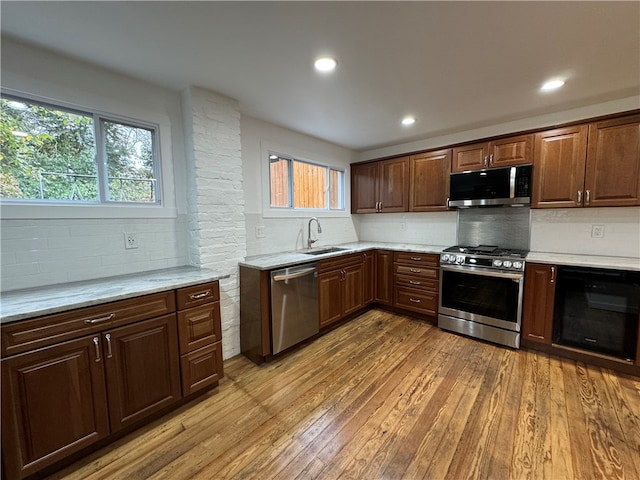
454 65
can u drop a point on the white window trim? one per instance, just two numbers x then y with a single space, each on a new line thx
293 152
32 209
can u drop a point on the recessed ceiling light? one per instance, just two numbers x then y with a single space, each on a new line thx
551 85
408 120
325 64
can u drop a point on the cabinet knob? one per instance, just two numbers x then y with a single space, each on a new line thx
107 337
579 197
553 274
587 197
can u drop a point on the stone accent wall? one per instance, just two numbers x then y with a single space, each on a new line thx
217 237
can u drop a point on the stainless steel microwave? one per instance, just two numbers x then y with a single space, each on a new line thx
491 187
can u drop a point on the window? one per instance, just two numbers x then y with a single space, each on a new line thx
55 154
296 184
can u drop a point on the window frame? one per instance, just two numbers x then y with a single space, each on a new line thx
19 208
292 153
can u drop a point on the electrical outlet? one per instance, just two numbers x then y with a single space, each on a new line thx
130 240
403 226
260 231
597 231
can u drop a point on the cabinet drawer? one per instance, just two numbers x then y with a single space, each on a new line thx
340 262
418 259
197 295
417 283
416 300
43 331
199 326
201 368
422 272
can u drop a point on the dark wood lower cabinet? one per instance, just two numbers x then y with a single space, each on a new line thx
539 296
384 277
54 403
368 271
340 288
143 373
61 398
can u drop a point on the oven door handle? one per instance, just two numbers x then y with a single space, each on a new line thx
485 273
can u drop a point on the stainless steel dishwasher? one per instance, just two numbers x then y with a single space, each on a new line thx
294 305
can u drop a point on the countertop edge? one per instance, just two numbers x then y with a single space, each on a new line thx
581 260
25 304
288 259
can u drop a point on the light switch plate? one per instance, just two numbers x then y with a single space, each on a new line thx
597 231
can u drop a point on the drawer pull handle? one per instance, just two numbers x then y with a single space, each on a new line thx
415 270
416 259
413 282
96 343
91 321
108 339
198 296
414 300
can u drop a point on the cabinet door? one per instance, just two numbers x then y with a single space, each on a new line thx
352 290
384 277
54 403
558 171
368 279
143 372
364 188
330 297
511 151
429 181
539 296
394 185
470 157
613 163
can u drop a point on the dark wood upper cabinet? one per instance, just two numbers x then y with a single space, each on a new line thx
54 403
394 185
595 165
364 188
612 176
539 297
558 171
429 181
504 152
381 186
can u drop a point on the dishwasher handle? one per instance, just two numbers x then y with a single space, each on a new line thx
295 274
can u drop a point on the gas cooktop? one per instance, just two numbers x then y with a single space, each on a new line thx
487 250
485 256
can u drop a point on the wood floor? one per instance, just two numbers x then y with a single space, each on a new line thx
388 396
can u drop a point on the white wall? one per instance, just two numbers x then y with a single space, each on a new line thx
568 230
290 232
216 199
41 245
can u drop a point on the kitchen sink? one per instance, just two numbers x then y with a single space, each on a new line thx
325 250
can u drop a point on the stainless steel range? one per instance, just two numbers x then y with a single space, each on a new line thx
481 291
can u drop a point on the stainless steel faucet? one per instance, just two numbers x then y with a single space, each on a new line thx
309 241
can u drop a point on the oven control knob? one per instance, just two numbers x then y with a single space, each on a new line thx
460 259
506 264
517 265
445 258
497 263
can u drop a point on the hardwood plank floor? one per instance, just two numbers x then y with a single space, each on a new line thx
389 396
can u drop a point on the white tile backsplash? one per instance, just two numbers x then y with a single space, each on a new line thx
428 228
43 252
568 230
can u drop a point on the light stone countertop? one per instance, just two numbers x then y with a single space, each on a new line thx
33 302
287 259
594 261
